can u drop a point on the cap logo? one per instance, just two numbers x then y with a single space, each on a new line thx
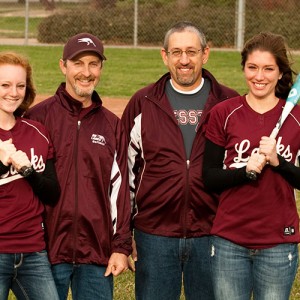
88 41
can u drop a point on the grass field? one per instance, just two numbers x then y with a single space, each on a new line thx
125 71
15 27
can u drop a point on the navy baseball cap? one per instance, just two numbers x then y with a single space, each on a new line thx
83 42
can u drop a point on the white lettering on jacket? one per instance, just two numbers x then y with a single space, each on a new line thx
98 139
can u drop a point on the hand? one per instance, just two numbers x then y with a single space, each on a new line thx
117 264
7 148
19 159
133 257
267 146
256 163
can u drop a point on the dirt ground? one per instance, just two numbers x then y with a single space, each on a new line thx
116 105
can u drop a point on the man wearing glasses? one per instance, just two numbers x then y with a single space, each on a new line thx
172 213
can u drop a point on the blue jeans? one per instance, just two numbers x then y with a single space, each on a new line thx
28 275
163 262
238 272
87 282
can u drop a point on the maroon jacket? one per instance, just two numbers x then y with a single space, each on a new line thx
167 191
92 217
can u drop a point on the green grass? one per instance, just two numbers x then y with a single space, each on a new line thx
13 27
126 71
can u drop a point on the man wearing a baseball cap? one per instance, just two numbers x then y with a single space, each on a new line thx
88 231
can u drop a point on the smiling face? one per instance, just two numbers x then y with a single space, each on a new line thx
185 70
82 76
12 87
262 74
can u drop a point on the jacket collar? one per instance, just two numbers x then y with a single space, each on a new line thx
72 104
159 86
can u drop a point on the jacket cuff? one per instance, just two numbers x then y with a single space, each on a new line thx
123 246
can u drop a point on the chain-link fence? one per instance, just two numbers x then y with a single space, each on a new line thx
227 23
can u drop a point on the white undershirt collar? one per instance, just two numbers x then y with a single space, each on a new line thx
194 91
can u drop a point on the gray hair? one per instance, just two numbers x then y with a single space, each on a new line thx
185 26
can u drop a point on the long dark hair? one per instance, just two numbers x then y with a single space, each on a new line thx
276 45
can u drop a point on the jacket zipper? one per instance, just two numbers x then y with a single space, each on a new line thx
76 192
186 187
186 196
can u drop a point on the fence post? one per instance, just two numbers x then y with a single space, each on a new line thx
135 25
26 21
240 24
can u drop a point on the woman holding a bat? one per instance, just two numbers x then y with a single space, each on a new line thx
256 228
27 181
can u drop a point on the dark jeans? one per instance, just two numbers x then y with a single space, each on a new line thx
87 282
165 262
28 275
237 271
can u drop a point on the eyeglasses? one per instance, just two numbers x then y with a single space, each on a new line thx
189 53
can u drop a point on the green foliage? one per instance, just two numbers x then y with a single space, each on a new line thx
62 26
115 25
217 18
58 28
278 20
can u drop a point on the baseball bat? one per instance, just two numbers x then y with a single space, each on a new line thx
291 101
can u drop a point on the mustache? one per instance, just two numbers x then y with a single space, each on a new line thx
89 78
188 64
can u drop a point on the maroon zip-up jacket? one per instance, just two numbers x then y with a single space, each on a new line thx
167 191
92 217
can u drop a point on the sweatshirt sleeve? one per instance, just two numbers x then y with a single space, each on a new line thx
215 177
3 169
45 185
289 172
